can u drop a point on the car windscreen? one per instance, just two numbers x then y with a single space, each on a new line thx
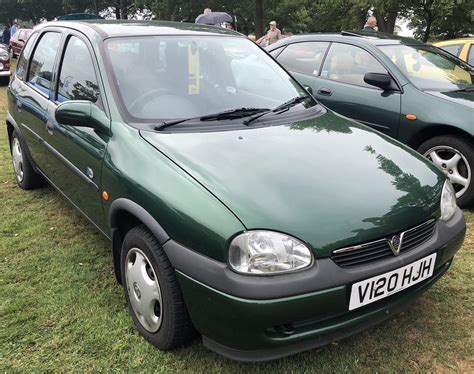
429 68
171 77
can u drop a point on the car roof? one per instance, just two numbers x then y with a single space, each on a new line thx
356 37
114 28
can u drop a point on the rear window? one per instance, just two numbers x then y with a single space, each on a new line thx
40 74
25 55
304 57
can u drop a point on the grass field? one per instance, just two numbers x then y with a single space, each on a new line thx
61 309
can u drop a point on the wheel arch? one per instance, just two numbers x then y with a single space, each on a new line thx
125 214
437 130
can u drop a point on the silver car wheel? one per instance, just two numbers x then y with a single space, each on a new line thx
17 158
452 163
143 290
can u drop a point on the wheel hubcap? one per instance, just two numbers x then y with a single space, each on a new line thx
453 164
143 290
17 157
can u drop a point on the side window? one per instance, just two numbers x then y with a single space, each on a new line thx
304 58
77 79
348 64
454 49
470 55
40 74
25 55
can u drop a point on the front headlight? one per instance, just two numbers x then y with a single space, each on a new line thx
448 201
267 252
4 56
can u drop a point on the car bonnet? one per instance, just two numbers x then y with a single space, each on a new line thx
328 181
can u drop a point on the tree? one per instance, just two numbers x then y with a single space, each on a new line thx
427 12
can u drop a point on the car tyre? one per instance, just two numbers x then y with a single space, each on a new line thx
26 177
4 81
152 291
455 157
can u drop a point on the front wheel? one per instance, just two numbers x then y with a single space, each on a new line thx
152 291
454 156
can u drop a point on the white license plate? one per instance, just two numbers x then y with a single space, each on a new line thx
376 288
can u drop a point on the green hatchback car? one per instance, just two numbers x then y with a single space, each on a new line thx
236 205
412 91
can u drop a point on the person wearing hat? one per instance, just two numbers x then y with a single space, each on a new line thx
273 35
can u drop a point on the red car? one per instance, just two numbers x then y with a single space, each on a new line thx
18 40
4 65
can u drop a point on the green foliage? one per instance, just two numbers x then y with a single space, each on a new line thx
440 19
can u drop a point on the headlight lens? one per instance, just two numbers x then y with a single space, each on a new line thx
448 201
267 252
4 56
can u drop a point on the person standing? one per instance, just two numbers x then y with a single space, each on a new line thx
273 35
371 24
6 35
13 29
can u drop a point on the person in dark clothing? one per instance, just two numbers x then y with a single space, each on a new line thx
6 35
371 24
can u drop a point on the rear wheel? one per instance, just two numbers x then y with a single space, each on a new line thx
454 156
26 176
152 291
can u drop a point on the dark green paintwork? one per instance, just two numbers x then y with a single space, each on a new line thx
311 179
436 112
328 181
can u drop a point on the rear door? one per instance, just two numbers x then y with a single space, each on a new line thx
74 154
32 91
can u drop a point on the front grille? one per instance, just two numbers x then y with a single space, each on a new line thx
377 250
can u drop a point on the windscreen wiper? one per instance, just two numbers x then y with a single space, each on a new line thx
279 109
465 89
228 114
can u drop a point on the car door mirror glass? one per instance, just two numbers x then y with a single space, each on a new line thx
82 113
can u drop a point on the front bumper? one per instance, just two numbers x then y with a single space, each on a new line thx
250 318
5 73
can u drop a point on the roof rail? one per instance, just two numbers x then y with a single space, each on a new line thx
349 33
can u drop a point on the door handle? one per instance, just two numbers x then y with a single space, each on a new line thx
325 91
50 127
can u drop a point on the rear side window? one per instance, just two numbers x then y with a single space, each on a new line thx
25 55
40 74
470 55
77 79
454 49
348 64
304 58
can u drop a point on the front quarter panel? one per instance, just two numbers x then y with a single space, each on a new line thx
431 110
189 214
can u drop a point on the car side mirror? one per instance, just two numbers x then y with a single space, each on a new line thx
309 89
382 80
83 113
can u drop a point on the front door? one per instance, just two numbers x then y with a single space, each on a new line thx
75 154
340 86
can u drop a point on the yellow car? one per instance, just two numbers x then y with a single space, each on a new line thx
463 48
